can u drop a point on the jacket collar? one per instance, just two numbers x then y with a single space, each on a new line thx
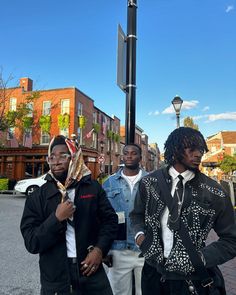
52 189
118 173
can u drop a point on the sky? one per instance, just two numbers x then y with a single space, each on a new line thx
184 47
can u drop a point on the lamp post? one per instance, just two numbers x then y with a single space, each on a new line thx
102 156
131 71
102 146
177 104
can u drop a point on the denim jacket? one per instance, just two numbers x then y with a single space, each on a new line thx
119 194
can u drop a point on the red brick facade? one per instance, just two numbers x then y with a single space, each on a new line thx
91 145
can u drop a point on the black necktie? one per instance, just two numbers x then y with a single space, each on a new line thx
174 215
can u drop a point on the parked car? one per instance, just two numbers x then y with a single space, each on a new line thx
28 186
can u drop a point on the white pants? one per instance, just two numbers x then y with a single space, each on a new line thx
120 275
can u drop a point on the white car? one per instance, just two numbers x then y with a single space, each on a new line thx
27 186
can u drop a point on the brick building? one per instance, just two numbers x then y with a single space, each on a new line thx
150 152
220 144
66 111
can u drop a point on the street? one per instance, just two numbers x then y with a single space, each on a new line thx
19 274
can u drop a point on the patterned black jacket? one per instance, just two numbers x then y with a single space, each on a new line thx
206 207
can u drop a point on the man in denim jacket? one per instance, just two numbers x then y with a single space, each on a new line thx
121 189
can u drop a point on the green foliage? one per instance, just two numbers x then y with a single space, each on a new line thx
82 120
96 127
63 121
116 137
109 134
10 118
3 184
27 122
45 123
188 122
228 164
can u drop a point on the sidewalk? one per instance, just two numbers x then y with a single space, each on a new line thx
229 271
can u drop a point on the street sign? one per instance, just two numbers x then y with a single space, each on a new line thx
121 59
101 159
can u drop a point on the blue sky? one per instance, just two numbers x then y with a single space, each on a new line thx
184 47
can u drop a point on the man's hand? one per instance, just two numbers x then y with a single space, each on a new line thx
91 262
140 239
65 210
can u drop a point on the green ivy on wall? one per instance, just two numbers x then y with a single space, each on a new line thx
45 123
63 121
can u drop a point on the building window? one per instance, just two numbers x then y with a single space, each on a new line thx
45 138
64 132
12 106
10 133
94 140
95 118
65 106
233 151
79 133
80 109
30 107
46 108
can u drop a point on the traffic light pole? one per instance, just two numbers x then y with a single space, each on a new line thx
131 72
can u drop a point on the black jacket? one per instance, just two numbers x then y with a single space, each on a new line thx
206 207
95 224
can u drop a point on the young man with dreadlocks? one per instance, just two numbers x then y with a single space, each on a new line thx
71 224
176 201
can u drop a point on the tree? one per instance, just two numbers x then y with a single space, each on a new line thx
228 164
9 118
188 122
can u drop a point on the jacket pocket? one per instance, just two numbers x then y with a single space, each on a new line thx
112 193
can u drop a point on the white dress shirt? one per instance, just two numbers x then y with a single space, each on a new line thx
167 234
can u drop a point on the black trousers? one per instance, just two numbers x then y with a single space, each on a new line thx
96 284
152 285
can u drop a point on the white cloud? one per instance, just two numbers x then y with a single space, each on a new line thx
230 116
187 105
206 108
155 113
169 110
229 8
196 118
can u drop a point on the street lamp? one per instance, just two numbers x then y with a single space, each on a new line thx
177 104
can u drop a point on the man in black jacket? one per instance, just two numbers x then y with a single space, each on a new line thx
71 224
199 203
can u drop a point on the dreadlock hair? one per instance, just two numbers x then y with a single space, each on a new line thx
180 139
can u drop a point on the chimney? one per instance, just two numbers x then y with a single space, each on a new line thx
26 84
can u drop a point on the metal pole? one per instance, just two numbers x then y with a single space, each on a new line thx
131 72
178 121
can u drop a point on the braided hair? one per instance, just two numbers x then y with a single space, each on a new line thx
180 139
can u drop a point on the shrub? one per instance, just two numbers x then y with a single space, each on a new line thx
3 184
